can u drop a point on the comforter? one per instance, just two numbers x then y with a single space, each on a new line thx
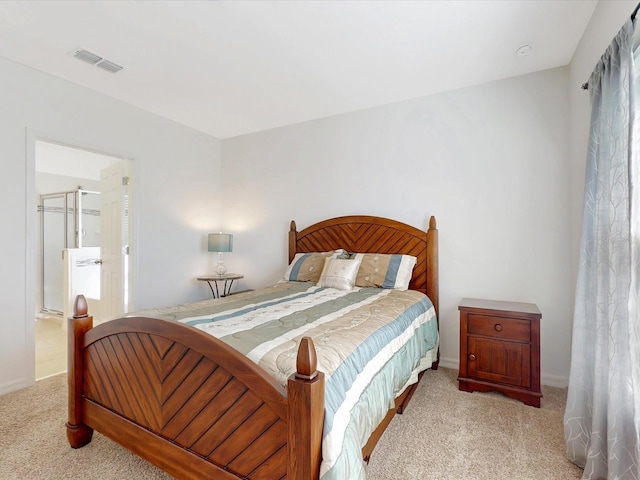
371 344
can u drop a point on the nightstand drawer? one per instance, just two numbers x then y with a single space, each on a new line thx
499 327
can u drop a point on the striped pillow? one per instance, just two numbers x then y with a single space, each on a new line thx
384 270
307 267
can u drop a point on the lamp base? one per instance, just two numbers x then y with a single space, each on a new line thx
220 269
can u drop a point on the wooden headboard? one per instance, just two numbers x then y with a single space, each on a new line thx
368 234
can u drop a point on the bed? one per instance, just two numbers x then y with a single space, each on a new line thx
196 407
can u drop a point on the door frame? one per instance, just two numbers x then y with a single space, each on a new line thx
131 166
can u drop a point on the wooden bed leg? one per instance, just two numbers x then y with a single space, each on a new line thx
78 433
434 365
305 396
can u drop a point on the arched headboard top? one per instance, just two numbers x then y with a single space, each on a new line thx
369 234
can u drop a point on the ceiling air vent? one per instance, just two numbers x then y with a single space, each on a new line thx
109 66
96 60
87 56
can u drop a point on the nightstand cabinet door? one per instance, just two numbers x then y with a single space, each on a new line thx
500 349
499 361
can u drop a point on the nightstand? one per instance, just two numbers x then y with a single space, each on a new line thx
500 349
227 278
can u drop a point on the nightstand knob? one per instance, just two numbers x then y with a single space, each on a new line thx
498 327
472 357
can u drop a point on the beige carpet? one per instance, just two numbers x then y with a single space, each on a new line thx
445 434
449 434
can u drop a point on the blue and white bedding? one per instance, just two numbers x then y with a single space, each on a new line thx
371 344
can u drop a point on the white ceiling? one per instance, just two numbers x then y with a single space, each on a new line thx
232 67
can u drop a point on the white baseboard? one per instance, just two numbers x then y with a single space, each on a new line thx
15 385
545 378
554 380
453 363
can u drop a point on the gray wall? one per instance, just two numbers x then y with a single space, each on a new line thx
176 175
490 162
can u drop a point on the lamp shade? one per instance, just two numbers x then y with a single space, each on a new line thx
220 242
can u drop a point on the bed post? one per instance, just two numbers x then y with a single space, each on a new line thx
78 433
305 396
433 290
293 240
432 263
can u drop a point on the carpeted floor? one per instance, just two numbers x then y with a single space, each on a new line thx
444 434
449 434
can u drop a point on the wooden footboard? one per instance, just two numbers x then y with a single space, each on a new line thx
189 403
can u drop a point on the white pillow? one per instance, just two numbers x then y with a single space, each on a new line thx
339 273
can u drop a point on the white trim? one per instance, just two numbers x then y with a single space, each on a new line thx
132 169
451 363
561 381
63 372
29 262
16 385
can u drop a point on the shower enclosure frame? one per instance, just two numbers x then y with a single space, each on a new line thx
72 206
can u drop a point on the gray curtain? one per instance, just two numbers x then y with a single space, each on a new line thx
602 415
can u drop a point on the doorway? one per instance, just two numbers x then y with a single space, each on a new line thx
69 229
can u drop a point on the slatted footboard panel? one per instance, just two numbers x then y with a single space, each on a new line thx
196 393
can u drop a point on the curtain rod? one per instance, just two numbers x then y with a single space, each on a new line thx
585 85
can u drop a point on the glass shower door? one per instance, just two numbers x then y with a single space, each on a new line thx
70 220
88 219
54 223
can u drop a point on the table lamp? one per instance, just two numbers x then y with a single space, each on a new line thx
220 242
